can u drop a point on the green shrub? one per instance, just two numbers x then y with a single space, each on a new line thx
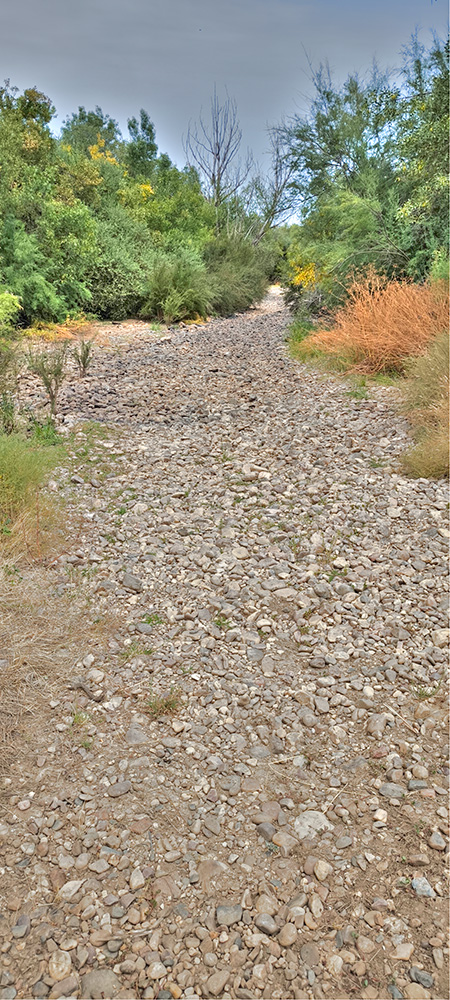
178 288
124 257
9 312
238 274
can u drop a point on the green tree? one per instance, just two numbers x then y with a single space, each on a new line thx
141 149
84 128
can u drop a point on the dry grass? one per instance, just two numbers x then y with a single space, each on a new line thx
426 393
381 325
42 636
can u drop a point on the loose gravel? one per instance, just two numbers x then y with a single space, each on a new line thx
242 791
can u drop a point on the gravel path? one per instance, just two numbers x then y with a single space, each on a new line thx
241 790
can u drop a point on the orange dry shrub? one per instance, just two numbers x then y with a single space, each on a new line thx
382 323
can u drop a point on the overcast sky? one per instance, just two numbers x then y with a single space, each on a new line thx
166 55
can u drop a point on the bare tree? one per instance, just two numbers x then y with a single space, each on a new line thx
213 149
271 196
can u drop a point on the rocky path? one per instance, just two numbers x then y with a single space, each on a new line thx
240 788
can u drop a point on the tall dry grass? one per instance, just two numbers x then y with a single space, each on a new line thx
381 325
426 403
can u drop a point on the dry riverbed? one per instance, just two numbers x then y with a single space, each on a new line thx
229 773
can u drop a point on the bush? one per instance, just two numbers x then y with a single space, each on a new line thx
238 274
382 324
426 394
178 288
124 257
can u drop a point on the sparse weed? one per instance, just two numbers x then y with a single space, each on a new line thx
50 368
153 619
221 622
83 355
168 703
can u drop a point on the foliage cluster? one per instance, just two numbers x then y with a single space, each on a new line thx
90 221
370 175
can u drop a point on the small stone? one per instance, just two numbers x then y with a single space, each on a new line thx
266 830
287 935
419 976
217 982
59 965
414 991
131 582
380 816
134 736
309 954
310 823
212 823
120 788
70 889
322 870
335 965
438 958
285 842
392 791
228 915
265 923
156 970
377 724
422 887
403 952
365 946
437 842
22 927
137 880
343 842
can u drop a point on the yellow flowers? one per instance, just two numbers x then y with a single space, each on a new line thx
304 275
146 190
98 152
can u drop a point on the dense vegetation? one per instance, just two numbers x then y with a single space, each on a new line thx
367 267
92 222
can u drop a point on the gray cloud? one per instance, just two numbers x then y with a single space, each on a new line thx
166 56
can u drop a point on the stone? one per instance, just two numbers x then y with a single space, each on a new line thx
310 823
287 935
100 983
309 954
137 880
437 842
265 923
422 977
392 791
156 970
59 965
285 842
227 915
120 788
217 982
414 991
22 928
322 870
131 582
403 951
422 887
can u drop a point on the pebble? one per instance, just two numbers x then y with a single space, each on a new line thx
59 964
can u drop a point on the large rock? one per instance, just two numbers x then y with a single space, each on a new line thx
99 983
310 823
